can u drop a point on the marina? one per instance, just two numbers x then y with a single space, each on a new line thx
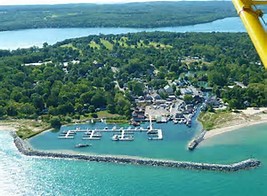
150 139
119 133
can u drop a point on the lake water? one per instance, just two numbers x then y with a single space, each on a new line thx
21 175
36 37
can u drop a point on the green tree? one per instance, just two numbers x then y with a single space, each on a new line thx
55 122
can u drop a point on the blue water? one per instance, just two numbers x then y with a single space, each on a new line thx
36 37
21 175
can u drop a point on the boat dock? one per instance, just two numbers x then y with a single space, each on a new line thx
124 136
92 135
114 129
155 134
160 135
120 133
67 135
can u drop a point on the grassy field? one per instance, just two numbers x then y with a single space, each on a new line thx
106 114
124 44
211 120
92 44
223 118
107 44
70 45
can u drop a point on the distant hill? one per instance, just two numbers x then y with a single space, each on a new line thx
149 14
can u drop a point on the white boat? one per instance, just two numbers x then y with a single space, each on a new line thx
97 134
115 138
128 138
125 138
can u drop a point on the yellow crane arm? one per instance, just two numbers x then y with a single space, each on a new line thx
251 19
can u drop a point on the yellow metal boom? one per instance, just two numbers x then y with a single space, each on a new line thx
251 19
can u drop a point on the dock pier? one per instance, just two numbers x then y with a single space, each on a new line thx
92 135
67 135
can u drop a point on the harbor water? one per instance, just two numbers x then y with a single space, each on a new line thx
21 175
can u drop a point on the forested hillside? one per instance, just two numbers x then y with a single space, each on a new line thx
150 14
81 76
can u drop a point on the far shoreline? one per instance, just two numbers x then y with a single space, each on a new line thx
144 27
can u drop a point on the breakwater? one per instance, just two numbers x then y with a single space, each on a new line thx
247 164
193 144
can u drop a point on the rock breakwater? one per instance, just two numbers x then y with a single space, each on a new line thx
247 164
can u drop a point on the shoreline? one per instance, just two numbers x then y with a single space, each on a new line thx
219 131
25 128
122 27
252 117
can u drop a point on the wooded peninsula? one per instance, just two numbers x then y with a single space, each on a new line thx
137 15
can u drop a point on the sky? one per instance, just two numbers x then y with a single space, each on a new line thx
32 2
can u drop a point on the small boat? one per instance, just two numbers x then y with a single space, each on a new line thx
152 131
134 123
128 138
82 145
119 138
115 138
97 134
175 121
188 123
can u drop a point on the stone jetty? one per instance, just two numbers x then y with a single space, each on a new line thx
193 144
247 164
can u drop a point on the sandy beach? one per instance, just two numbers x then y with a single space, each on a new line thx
254 117
25 128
